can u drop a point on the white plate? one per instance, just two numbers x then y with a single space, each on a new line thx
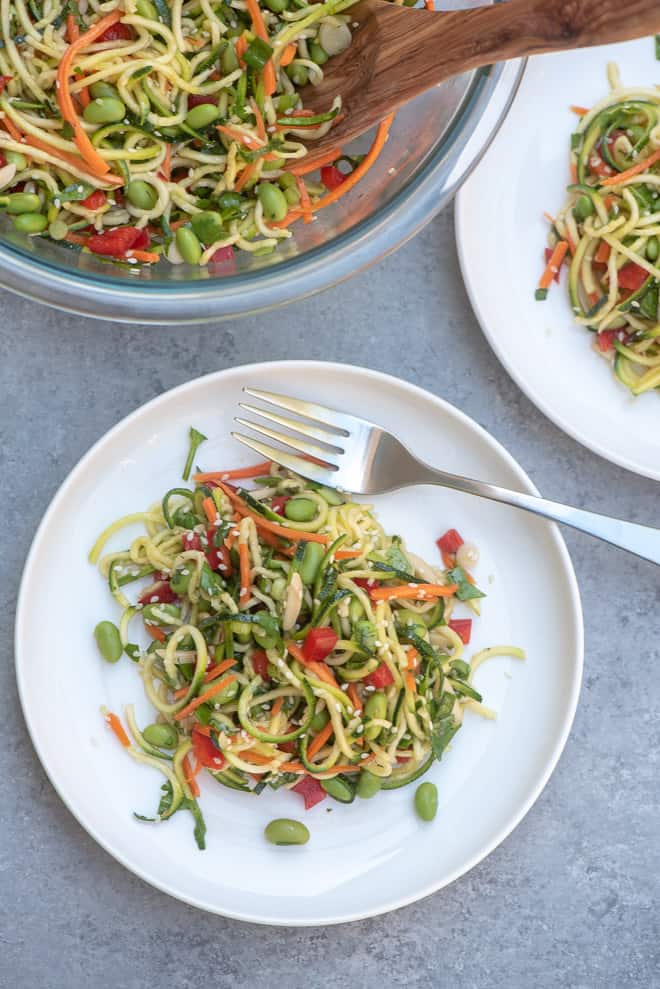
365 858
501 235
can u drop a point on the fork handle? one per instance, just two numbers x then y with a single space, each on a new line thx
642 540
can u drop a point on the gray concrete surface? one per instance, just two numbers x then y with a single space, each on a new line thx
569 900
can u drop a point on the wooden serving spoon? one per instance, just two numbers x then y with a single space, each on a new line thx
398 52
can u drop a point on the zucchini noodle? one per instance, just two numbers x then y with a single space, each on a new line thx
293 640
610 224
168 129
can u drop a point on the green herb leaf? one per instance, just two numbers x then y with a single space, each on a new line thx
466 591
196 439
443 732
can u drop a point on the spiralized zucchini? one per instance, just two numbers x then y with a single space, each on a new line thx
292 638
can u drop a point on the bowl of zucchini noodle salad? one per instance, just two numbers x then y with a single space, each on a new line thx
293 643
608 232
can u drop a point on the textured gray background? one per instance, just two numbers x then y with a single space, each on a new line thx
570 899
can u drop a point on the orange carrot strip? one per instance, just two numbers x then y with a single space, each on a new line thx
241 47
288 54
270 540
11 128
312 163
348 554
94 160
146 257
72 238
115 724
237 135
418 592
246 574
449 560
210 510
261 127
305 201
190 774
317 744
245 176
207 695
355 700
320 669
72 29
156 633
166 166
267 525
217 670
573 171
554 264
277 707
602 255
580 111
259 27
413 658
637 169
410 683
256 470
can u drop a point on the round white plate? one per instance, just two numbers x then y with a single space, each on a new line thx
501 236
365 858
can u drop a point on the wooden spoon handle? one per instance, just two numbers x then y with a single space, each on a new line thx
450 42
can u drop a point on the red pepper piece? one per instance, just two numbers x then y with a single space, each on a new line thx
160 593
450 542
117 242
95 200
310 790
205 751
381 677
318 644
260 663
632 276
331 177
462 627
117 32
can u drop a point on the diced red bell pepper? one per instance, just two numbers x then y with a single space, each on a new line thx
3 81
223 254
310 790
289 747
366 583
260 663
331 177
278 503
462 627
200 99
205 751
605 340
450 542
218 557
598 166
381 677
116 243
191 540
319 643
160 593
117 32
632 276
95 200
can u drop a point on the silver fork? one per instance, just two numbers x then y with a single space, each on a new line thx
357 456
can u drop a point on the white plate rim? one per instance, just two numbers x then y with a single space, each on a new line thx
461 223
577 632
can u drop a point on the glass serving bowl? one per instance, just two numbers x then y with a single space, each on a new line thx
434 144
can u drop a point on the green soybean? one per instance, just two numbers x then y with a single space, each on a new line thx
319 721
311 562
229 200
104 110
297 74
229 60
100 90
339 789
584 207
180 580
317 53
368 785
292 196
284 831
108 641
30 223
146 9
16 158
277 6
164 736
653 249
188 245
426 801
141 194
278 588
274 205
375 707
300 509
208 226
202 116
21 202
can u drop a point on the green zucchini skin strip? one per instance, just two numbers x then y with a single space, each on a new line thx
245 702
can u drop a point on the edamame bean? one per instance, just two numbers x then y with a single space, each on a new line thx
163 735
300 509
100 90
283 831
208 226
275 207
278 588
330 495
297 74
15 158
30 223
368 785
188 245
104 110
159 613
653 249
108 641
287 181
319 721
292 196
375 707
277 6
317 53
229 60
20 202
141 194
584 207
355 611
179 581
241 631
229 200
311 562
146 9
426 801
202 116
339 789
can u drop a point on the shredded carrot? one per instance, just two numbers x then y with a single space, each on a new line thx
232 536
261 127
602 255
207 695
259 27
429 4
554 264
573 171
241 47
637 169
268 526
288 54
312 163
270 540
410 683
580 111
146 257
277 707
210 510
305 201
156 633
414 592
317 743
115 724
246 175
11 128
94 160
189 772
203 729
35 142
240 136
256 470
179 223
320 669
449 560
355 700
246 574
351 769
413 658
215 671
72 29
166 166
594 298
348 554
